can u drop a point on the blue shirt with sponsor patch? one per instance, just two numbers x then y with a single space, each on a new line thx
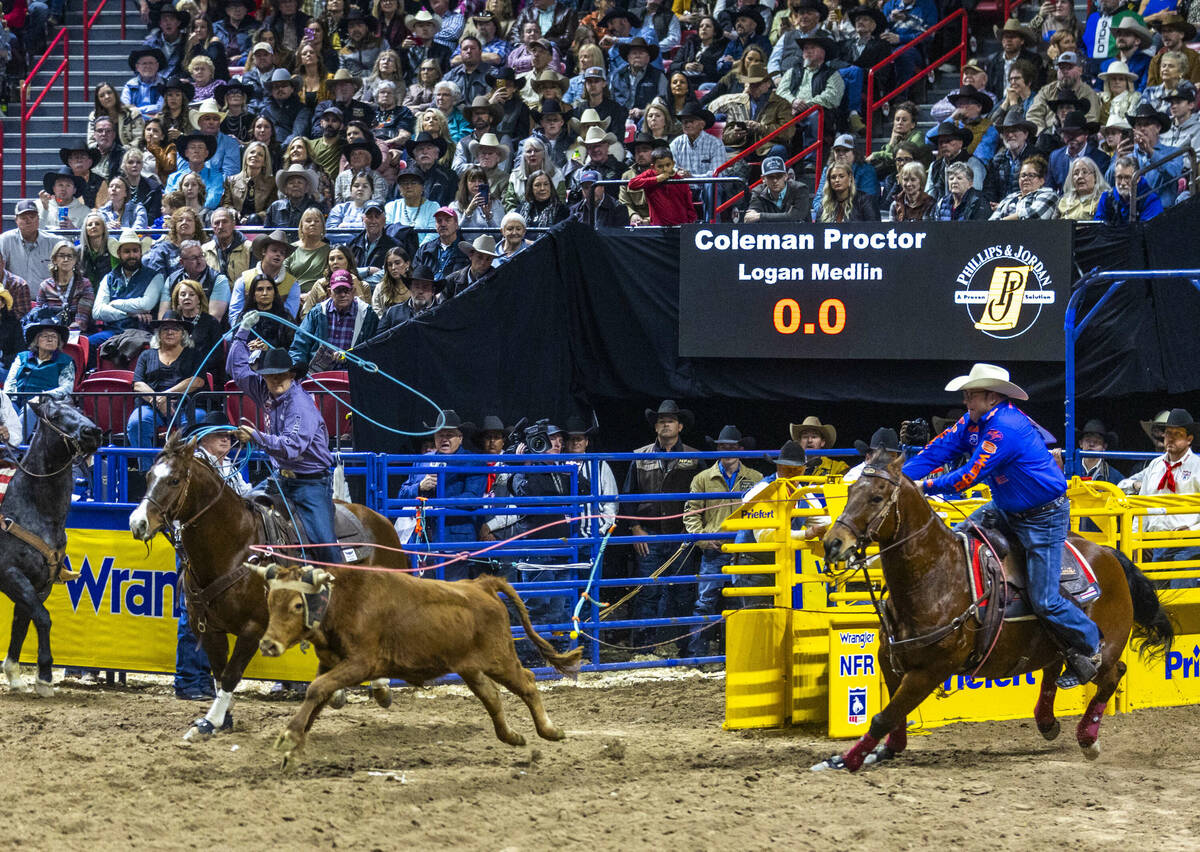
1008 454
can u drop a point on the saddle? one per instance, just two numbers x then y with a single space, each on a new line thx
278 529
997 577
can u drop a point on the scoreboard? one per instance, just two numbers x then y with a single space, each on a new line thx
975 291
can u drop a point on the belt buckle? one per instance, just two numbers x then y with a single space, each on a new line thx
287 474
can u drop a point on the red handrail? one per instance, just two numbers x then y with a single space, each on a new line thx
87 26
959 15
63 70
817 146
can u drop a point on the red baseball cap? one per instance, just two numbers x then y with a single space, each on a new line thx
446 211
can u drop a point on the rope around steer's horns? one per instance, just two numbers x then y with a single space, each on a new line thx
311 581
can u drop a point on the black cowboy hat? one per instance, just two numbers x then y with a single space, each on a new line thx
451 420
1077 122
49 179
820 8
883 439
824 42
210 142
671 407
185 18
1067 99
173 317
424 273
949 128
970 93
1181 418
224 89
1145 112
140 53
628 15
550 106
692 109
1097 427
211 419
1015 119
502 73
35 324
874 14
637 41
751 13
364 145
274 361
730 435
792 455
576 425
492 423
356 14
644 138
426 136
79 144
175 83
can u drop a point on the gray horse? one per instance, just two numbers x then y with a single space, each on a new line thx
33 534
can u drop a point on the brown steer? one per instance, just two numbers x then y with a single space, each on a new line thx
367 624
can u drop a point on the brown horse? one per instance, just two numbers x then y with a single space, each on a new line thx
217 529
929 599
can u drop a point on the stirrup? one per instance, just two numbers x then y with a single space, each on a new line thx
1081 669
64 574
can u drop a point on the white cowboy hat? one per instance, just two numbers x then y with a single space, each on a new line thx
987 377
207 107
129 237
1118 68
596 135
589 118
294 170
488 140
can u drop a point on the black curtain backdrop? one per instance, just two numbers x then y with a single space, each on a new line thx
586 320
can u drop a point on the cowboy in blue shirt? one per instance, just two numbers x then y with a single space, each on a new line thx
197 150
1008 453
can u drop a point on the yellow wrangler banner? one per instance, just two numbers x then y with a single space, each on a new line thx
822 662
120 613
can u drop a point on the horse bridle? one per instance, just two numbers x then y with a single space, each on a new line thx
869 533
169 515
68 439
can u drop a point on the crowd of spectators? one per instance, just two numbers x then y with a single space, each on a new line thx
281 153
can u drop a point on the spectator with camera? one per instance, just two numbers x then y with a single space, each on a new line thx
446 526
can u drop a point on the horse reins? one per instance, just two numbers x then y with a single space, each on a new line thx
68 439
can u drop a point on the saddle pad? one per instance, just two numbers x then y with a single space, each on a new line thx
6 475
1077 580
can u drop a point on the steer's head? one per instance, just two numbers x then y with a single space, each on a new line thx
297 596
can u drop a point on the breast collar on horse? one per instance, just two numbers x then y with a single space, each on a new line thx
202 599
54 557
865 537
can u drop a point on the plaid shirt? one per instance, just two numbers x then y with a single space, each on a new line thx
699 158
1039 204
341 325
19 291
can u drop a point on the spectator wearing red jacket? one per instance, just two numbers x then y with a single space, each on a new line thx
670 203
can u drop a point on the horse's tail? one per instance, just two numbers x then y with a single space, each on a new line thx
567 663
1155 633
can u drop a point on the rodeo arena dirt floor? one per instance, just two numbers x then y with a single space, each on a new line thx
646 765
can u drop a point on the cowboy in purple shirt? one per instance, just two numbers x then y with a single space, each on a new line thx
295 438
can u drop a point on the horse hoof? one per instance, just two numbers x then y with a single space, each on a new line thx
202 729
43 689
1091 752
338 700
1051 732
286 742
881 754
835 763
381 691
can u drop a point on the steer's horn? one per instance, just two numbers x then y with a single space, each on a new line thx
320 578
267 572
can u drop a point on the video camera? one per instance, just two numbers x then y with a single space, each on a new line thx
915 432
536 437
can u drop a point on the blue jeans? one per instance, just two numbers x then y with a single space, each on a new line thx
144 422
709 600
312 501
1042 534
658 600
1175 554
192 670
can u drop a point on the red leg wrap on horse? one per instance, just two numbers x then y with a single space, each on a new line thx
858 752
897 740
1089 726
1043 711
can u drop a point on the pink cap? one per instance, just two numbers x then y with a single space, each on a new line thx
446 211
340 278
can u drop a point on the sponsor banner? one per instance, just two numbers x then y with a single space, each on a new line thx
855 682
978 699
1172 680
942 291
122 611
